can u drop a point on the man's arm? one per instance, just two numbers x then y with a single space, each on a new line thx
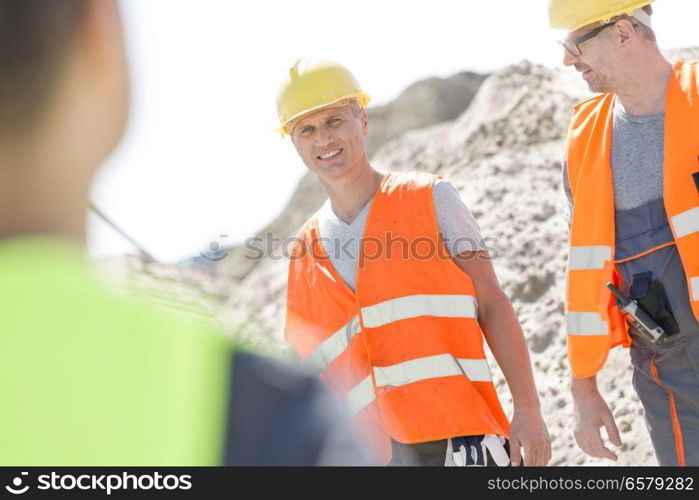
467 248
591 411
506 340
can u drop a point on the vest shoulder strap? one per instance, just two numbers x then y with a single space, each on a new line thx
582 125
407 182
687 73
583 109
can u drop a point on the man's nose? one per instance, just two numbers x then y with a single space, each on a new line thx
325 137
568 58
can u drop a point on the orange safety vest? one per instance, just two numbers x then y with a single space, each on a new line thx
594 322
405 351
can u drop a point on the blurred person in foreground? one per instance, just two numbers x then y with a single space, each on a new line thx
631 176
88 377
389 286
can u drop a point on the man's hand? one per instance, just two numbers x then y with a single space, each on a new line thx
591 413
528 431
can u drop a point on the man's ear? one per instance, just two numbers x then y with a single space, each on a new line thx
625 31
365 122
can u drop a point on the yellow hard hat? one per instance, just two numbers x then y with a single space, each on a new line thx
574 14
312 85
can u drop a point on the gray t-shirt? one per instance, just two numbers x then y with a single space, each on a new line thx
637 161
342 241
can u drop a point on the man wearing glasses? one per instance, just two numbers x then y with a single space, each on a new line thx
631 176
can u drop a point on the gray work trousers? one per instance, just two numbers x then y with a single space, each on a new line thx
666 377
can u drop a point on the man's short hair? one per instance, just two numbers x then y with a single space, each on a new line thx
35 36
646 32
356 108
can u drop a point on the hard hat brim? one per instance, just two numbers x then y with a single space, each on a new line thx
602 18
362 99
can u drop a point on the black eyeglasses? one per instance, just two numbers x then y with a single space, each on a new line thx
572 45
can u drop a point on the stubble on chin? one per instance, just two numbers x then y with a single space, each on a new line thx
600 85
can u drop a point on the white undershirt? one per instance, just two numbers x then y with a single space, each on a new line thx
342 241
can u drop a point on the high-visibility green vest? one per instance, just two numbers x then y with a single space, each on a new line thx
91 378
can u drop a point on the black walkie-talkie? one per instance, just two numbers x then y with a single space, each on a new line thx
695 176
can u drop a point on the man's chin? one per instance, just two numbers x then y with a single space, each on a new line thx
331 169
598 87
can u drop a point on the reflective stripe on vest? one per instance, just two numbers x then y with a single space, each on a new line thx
442 365
333 346
456 306
686 223
416 370
594 322
589 257
586 323
359 396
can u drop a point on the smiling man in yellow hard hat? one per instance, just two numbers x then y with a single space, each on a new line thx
631 177
389 286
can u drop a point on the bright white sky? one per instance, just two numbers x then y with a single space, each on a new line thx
200 158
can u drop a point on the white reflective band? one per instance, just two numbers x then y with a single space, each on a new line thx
412 306
686 222
586 323
359 396
441 365
694 281
586 258
333 346
325 271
